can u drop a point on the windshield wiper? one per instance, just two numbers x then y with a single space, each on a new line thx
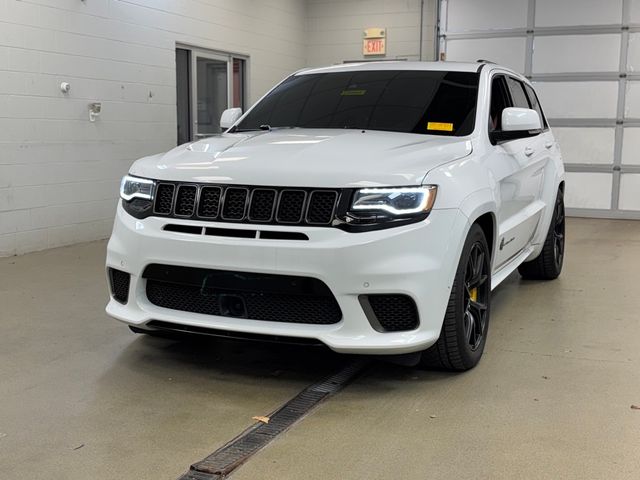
238 130
264 128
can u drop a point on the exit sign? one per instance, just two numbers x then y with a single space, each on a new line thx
374 46
374 41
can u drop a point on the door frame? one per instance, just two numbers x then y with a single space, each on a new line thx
228 57
195 54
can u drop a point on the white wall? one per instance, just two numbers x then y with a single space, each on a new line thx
335 29
59 173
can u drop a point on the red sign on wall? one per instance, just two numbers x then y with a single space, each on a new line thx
374 46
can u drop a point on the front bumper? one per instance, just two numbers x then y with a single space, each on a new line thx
418 260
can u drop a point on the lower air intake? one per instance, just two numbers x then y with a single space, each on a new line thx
119 282
243 295
391 313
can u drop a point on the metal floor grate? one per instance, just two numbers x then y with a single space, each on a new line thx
226 459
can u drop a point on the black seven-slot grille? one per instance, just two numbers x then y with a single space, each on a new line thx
255 296
246 204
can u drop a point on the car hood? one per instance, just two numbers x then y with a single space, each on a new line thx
306 158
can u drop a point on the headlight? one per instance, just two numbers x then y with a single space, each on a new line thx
376 208
137 195
136 187
395 201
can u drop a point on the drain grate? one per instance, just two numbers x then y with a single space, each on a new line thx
223 461
195 475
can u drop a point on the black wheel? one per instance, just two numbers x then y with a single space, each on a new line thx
548 264
464 330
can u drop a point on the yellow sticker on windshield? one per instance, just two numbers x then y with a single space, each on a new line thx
443 127
352 93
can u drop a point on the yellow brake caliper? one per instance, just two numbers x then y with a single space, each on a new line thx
473 294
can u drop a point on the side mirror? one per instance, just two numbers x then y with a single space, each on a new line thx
229 117
520 119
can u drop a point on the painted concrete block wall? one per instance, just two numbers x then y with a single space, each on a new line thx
59 173
335 29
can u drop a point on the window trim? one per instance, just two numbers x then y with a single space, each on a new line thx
499 137
529 91
495 77
543 119
524 91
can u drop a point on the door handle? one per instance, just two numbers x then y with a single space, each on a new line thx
528 151
548 145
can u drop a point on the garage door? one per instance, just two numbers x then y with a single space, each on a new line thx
583 57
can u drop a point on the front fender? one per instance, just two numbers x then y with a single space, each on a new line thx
466 185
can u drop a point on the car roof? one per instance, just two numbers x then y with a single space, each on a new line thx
396 65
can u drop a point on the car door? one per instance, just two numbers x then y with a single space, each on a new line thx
546 144
518 168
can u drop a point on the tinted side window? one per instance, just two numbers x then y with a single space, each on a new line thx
535 104
518 94
499 101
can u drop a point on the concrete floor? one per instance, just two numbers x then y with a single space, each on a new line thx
81 397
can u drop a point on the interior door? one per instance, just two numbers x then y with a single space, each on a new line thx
211 92
518 166
206 84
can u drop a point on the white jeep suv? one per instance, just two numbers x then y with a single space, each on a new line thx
368 207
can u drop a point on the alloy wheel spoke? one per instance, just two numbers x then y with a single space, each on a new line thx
471 270
476 264
479 308
469 327
468 271
477 311
479 327
559 244
475 324
479 264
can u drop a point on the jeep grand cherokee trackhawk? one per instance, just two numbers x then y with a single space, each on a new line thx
369 207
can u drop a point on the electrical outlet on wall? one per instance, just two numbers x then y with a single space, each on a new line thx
95 109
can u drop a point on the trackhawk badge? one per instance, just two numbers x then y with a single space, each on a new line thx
503 243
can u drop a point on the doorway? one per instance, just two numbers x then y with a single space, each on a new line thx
207 83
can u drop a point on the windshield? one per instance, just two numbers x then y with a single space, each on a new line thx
425 102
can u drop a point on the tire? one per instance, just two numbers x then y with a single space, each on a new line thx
548 265
466 321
